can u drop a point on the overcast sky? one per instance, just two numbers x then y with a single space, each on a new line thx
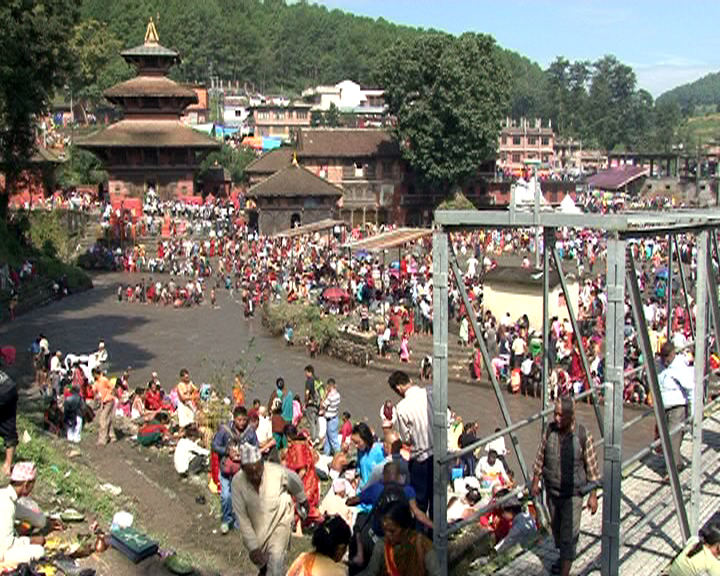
667 43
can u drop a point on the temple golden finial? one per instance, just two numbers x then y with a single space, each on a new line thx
151 35
294 160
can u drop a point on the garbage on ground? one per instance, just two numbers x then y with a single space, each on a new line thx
26 438
121 520
111 489
72 515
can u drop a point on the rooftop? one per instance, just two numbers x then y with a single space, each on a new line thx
616 178
271 162
294 180
159 86
391 239
151 46
148 133
346 143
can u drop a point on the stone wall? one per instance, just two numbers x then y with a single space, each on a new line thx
351 347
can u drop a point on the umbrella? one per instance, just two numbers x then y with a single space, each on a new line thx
335 294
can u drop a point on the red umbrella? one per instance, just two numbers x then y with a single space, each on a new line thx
335 294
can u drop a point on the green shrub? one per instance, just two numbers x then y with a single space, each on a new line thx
307 320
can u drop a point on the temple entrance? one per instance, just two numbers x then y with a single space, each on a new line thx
253 220
295 220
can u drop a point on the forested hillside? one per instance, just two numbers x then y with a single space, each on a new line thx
272 47
703 92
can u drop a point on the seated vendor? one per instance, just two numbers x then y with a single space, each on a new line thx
19 549
491 472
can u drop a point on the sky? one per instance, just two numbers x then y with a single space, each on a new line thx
666 43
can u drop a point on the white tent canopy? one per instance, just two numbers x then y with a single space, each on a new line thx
567 206
523 193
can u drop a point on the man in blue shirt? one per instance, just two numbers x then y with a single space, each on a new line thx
384 493
236 432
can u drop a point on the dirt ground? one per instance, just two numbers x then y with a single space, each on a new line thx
154 338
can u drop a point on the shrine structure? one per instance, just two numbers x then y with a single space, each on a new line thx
150 148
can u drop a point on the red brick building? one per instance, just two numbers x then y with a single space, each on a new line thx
150 147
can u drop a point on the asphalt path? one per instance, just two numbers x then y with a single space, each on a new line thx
210 341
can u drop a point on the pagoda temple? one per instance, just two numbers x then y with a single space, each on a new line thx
150 147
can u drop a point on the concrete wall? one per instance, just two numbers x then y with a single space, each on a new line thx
519 300
274 220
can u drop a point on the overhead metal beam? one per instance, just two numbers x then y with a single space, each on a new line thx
440 397
658 407
578 339
614 384
630 224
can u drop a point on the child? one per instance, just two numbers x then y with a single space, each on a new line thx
346 431
404 351
312 347
289 333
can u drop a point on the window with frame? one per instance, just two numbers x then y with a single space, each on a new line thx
516 157
359 170
301 114
532 141
517 140
545 141
504 139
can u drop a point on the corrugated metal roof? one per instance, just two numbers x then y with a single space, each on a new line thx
390 239
326 224
616 178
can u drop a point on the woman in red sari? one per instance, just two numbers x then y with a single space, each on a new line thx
300 458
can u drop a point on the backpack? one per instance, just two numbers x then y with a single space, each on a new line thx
319 390
392 493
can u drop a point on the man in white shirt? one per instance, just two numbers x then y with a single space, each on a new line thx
414 418
490 471
189 457
15 549
677 384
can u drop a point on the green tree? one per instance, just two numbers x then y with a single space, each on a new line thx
332 116
80 167
610 103
449 96
34 62
97 63
233 159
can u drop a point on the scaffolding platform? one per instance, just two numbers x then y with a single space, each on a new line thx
649 531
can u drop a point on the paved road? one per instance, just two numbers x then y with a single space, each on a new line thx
149 338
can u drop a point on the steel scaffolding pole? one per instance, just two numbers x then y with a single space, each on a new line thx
688 308
488 364
698 396
712 290
614 379
670 286
658 407
578 339
548 243
440 396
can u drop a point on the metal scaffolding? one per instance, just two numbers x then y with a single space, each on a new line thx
620 275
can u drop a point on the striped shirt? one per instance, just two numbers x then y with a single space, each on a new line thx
414 422
331 404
